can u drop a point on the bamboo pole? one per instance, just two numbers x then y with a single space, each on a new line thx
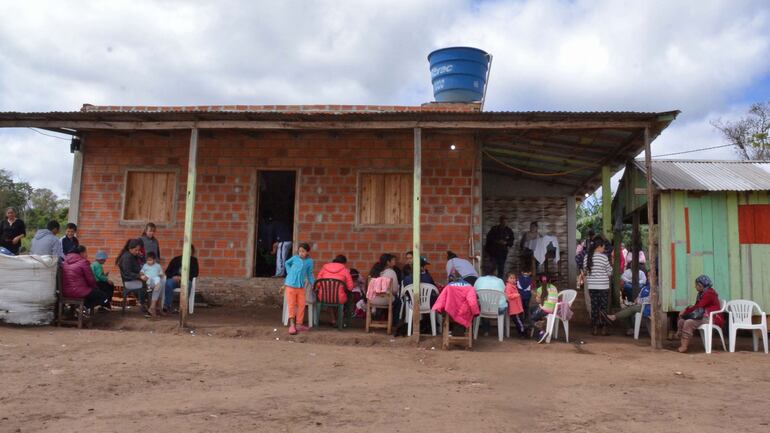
188 225
655 322
417 185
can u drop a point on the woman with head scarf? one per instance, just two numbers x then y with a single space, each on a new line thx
696 315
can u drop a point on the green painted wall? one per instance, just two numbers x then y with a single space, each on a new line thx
738 271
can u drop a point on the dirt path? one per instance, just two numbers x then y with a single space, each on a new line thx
110 380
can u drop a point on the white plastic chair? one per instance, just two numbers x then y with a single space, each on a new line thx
638 320
552 320
190 299
425 291
739 313
310 309
489 304
707 329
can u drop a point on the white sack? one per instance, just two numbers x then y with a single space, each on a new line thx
27 289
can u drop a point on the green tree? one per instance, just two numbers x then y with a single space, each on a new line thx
751 134
12 193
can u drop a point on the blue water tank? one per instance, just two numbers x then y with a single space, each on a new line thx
458 74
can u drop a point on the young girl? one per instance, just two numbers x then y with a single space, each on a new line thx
359 294
549 297
299 270
150 242
515 308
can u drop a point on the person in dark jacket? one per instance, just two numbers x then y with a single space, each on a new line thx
130 265
499 241
69 241
174 278
78 280
12 230
706 301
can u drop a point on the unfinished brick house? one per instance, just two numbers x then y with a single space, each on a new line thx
342 175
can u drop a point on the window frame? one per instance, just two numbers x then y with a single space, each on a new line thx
174 206
359 179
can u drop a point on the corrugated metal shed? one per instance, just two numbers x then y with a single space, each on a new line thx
690 175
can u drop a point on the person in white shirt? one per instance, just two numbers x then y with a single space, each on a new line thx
628 280
461 267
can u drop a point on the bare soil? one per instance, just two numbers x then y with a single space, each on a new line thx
241 371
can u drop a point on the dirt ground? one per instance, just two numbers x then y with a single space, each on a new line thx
233 372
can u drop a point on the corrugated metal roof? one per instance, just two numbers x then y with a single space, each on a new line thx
693 175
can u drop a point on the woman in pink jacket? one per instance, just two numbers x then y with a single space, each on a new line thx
78 279
337 270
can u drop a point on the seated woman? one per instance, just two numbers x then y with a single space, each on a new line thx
78 280
337 270
461 267
490 281
130 264
384 268
692 317
626 315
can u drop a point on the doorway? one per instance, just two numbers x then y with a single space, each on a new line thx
276 193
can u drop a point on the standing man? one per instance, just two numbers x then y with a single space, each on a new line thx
12 229
499 241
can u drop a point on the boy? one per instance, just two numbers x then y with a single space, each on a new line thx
524 285
103 282
69 241
153 272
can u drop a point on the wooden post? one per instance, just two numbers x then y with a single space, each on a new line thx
606 203
636 243
188 226
655 307
417 190
77 176
617 294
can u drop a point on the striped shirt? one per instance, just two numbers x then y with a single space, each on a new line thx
601 272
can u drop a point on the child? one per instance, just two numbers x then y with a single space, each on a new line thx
153 272
150 242
524 286
69 242
299 271
103 282
359 295
515 308
549 297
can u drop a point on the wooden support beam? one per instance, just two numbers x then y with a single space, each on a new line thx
617 270
417 191
321 124
656 315
77 177
188 226
606 202
636 244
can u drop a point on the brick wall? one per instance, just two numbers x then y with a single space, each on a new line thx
328 164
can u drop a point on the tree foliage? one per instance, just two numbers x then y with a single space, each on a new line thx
35 206
751 134
13 193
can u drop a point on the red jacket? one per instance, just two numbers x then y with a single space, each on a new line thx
709 302
338 271
459 302
77 277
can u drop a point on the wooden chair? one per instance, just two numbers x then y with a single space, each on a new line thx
81 312
327 294
370 323
447 340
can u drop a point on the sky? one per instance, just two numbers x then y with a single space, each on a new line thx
709 58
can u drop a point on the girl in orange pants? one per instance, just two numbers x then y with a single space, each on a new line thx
299 271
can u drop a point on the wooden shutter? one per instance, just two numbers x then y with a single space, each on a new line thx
149 196
385 199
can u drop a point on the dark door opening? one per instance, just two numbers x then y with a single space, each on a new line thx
275 218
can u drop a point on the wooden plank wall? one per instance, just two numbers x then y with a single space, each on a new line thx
549 212
739 271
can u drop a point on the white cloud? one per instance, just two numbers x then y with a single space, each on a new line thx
702 58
